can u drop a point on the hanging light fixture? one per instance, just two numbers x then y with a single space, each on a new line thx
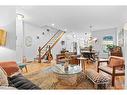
91 39
90 30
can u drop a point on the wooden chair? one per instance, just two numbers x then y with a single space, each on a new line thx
73 60
115 67
60 58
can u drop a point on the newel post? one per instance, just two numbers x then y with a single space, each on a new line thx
39 56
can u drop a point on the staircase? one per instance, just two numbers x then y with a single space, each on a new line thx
44 49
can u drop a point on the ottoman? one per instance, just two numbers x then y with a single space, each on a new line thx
100 81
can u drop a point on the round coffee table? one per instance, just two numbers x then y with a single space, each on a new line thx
69 77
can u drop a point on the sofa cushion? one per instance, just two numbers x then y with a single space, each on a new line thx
3 77
20 82
10 67
109 70
115 61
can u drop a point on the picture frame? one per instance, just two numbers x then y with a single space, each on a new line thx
3 36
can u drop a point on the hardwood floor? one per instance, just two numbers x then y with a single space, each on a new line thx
35 66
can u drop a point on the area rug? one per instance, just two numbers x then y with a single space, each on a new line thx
46 79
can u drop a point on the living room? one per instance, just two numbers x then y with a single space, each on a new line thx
84 37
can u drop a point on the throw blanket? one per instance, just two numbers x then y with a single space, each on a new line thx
20 82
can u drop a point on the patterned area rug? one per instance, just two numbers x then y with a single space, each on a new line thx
46 79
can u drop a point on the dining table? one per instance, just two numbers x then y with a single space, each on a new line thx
89 54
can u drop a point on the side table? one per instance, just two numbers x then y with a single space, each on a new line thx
22 65
82 63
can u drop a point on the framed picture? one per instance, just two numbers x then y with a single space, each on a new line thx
3 35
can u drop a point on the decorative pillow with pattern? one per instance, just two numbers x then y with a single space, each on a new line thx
3 77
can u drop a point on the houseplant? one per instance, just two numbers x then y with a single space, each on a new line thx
111 46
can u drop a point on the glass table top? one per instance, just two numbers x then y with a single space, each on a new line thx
72 69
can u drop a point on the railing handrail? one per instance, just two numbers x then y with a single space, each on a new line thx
57 39
41 56
55 42
49 41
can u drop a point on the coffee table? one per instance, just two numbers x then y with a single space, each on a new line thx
70 77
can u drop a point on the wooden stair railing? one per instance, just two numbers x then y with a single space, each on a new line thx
49 41
41 55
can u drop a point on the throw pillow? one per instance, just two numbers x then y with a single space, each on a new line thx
114 62
3 77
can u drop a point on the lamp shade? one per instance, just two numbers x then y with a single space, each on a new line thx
3 35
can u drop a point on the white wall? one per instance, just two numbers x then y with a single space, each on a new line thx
7 54
99 34
7 22
19 40
34 31
68 38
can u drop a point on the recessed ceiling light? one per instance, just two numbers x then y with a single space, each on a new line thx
53 24
65 29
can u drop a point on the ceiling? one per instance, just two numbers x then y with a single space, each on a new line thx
7 15
75 18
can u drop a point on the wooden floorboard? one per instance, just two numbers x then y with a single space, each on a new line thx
35 66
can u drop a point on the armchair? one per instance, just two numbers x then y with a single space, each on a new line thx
115 67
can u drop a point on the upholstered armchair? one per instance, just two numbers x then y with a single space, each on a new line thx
115 67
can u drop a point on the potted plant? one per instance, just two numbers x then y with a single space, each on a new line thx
111 46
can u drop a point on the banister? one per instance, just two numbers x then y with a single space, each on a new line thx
54 43
58 39
40 49
48 41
